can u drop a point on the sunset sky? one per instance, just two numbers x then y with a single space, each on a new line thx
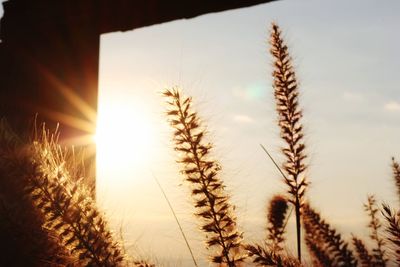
347 59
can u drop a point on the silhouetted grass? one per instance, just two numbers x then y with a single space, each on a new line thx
48 216
378 252
396 175
68 207
289 120
326 245
393 231
201 172
364 257
265 257
277 218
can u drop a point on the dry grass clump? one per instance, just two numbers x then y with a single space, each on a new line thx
201 171
326 246
23 240
47 214
68 208
289 115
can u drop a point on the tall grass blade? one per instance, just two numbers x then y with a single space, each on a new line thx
177 221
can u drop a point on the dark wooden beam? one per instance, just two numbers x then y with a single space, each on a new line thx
135 14
49 46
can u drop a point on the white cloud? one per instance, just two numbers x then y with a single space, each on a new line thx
392 106
243 118
352 97
240 93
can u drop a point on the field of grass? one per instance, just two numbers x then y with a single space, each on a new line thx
48 216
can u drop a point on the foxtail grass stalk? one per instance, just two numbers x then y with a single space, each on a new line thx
396 175
325 244
363 255
202 172
392 228
374 225
289 115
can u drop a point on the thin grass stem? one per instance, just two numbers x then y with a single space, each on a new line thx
177 221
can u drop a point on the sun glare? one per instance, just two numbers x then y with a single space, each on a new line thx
123 137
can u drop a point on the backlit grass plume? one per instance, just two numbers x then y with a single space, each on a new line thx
325 245
392 228
378 252
396 175
277 217
68 208
201 171
289 115
364 257
23 239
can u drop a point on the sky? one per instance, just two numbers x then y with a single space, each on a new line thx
346 58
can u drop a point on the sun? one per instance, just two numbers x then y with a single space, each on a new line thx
124 136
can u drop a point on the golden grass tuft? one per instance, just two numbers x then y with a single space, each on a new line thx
23 240
69 210
47 214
